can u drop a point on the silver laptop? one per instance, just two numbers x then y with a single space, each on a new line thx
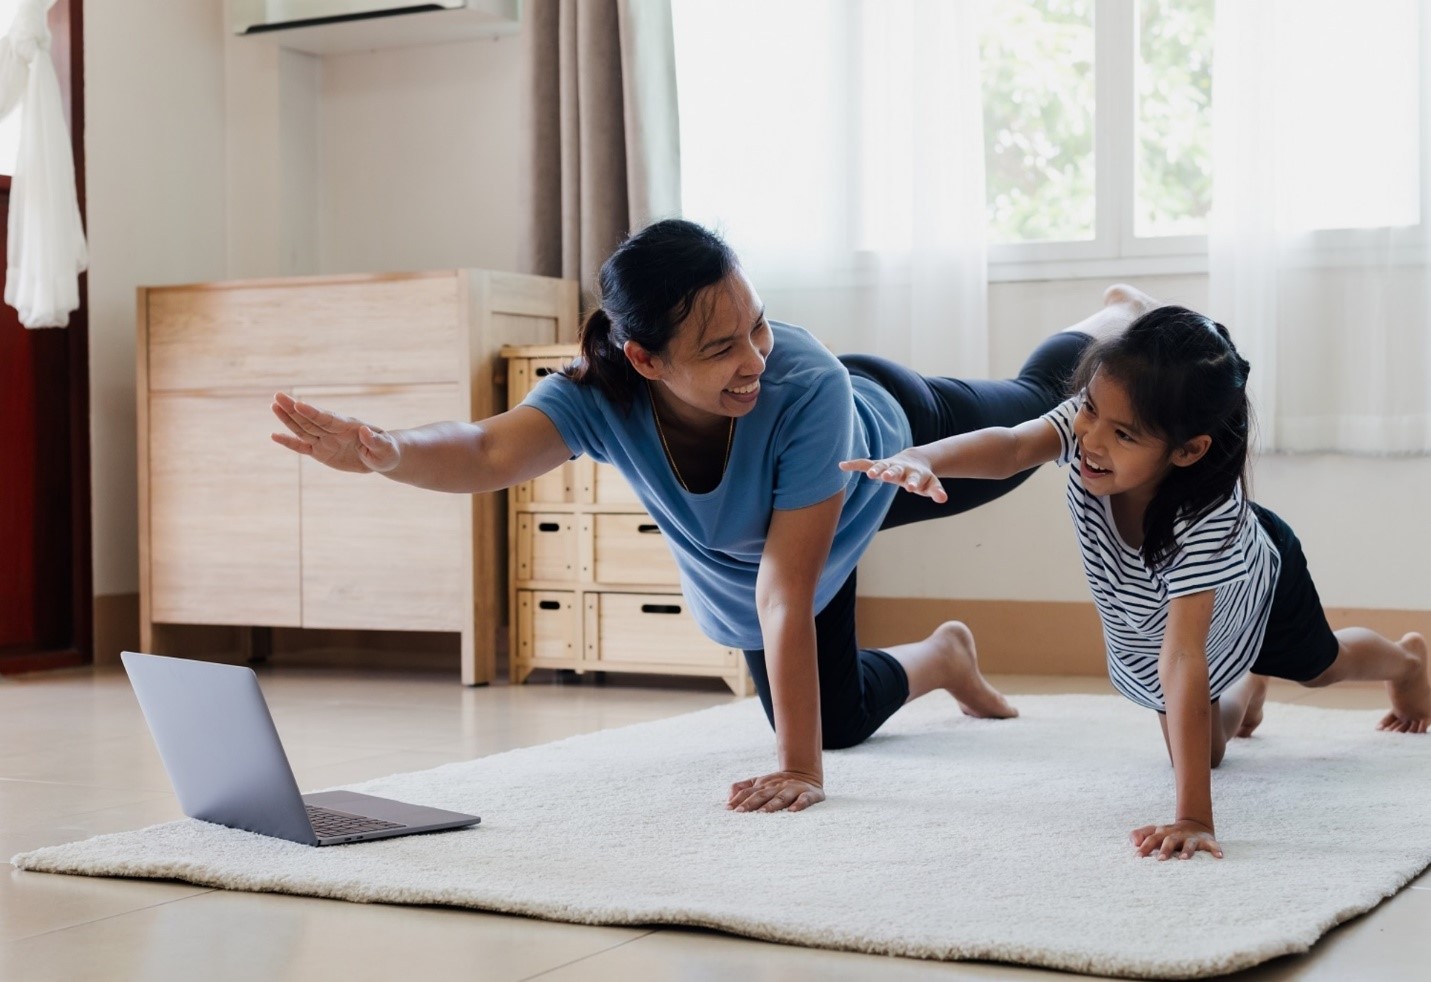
222 752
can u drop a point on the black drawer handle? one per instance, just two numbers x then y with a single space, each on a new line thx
646 528
543 371
549 605
548 527
660 608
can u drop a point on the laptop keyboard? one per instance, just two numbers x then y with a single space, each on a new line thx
327 822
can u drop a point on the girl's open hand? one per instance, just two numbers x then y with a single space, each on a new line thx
775 792
1183 839
908 469
341 442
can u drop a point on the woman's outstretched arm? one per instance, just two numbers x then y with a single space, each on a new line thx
467 458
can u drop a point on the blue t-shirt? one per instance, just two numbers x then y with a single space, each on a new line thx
810 415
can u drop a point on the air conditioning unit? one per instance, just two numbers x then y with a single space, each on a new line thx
335 26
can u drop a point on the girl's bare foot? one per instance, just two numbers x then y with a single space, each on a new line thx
1410 694
973 693
1256 696
1122 305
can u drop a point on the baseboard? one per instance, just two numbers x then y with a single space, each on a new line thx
1025 637
1015 637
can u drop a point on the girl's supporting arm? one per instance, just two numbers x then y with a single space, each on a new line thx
796 549
1182 670
996 452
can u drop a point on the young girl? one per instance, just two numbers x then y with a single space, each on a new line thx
1202 594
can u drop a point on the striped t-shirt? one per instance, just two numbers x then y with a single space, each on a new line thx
1226 550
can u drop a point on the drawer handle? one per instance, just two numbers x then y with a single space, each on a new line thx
548 527
549 605
544 371
660 608
647 528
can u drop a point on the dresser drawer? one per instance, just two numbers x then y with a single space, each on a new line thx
548 627
606 486
555 487
648 629
629 548
400 330
547 547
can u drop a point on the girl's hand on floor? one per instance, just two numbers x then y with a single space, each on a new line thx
775 792
907 469
1183 839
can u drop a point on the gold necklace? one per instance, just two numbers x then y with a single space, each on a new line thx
671 458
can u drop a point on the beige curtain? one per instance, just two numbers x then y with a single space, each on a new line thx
603 146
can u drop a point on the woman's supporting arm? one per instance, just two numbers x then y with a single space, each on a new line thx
796 549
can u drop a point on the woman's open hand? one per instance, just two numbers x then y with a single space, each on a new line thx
341 442
1183 839
908 469
776 792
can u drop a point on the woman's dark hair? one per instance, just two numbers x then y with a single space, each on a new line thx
1185 379
648 287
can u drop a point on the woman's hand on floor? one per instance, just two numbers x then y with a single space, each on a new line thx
1183 839
341 442
908 469
775 792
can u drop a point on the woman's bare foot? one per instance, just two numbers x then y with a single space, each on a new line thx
1122 305
973 693
1410 694
1256 696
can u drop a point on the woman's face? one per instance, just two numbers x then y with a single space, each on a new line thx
713 364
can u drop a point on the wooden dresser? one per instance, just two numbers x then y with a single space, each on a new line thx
593 583
233 529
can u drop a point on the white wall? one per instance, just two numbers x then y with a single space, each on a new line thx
419 158
212 157
154 145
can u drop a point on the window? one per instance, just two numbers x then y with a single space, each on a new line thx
1097 130
1097 124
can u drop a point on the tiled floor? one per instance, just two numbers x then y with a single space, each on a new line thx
76 760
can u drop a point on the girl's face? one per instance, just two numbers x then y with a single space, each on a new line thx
712 366
1116 455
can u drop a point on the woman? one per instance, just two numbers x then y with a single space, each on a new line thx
731 427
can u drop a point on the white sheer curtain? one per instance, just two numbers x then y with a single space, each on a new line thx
839 146
1321 206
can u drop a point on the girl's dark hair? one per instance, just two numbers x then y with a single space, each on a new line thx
648 287
1185 379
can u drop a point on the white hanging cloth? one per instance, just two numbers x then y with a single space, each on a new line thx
46 242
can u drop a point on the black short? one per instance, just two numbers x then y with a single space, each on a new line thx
1299 644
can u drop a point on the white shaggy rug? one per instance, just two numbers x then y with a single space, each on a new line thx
944 837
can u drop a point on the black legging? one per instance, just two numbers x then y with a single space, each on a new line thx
861 688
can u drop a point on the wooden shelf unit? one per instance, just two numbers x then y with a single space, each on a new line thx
594 587
236 530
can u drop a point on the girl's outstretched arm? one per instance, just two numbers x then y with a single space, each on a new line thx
996 452
1182 670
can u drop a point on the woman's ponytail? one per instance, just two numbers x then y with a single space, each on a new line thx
603 360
